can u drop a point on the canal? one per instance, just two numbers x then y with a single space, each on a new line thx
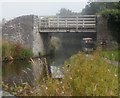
18 72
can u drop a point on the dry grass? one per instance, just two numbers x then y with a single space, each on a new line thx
83 76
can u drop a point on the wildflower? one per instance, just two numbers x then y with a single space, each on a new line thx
31 92
20 90
29 69
115 75
95 87
39 59
61 82
62 92
24 71
46 88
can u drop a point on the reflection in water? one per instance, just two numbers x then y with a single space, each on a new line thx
69 45
17 72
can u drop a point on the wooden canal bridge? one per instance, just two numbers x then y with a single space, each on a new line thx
62 24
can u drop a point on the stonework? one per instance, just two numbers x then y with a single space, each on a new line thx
37 46
24 29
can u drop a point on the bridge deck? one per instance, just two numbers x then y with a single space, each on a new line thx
82 23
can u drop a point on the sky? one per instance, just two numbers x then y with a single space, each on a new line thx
10 10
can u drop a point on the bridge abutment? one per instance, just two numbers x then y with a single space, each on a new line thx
41 41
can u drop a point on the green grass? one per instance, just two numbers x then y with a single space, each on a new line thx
112 54
85 76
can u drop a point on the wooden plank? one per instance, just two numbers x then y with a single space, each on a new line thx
86 22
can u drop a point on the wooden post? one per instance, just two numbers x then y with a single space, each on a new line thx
48 22
83 25
57 23
39 24
46 68
77 24
65 22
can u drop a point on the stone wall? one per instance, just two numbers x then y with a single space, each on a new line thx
24 29
37 46
19 30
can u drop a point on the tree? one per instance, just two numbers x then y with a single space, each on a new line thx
66 12
109 10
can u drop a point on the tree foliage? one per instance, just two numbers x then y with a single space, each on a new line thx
67 12
111 11
113 19
96 7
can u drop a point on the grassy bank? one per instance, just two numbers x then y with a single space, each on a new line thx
12 51
111 54
83 76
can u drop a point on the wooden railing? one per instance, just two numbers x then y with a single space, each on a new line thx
82 23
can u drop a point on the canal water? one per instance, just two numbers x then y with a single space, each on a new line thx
18 72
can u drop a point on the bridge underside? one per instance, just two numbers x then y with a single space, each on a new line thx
82 34
69 30
66 30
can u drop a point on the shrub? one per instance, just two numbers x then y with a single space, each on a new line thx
113 22
25 53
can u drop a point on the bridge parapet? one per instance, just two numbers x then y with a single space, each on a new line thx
81 23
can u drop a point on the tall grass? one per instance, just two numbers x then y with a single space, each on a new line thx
84 75
16 51
7 50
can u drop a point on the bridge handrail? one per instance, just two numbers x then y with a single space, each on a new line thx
76 22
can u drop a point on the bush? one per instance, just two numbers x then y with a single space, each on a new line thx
25 53
113 22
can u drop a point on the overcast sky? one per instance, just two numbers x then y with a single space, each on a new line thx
14 9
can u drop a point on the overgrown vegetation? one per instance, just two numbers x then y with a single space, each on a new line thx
111 11
15 51
111 54
113 21
84 75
